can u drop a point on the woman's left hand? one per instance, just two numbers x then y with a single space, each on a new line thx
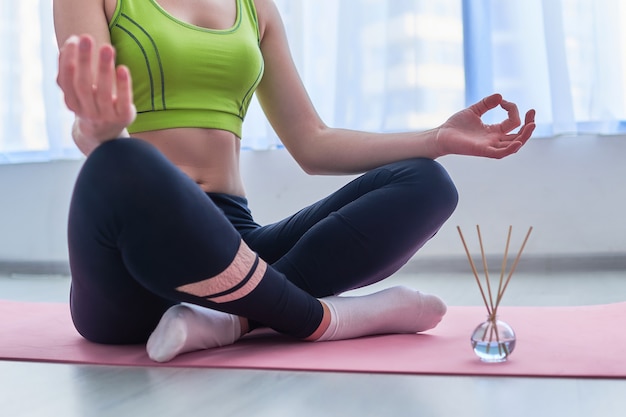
465 134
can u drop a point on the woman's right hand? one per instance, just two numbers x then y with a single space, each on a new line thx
99 94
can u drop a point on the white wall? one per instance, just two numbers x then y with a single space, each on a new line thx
570 189
34 200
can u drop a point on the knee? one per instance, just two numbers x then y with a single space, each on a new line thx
430 182
119 164
444 188
119 155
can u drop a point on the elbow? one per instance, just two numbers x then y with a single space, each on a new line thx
321 167
308 152
309 166
313 161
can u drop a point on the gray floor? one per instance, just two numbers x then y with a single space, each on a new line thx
36 389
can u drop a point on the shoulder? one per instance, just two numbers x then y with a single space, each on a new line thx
94 5
268 16
75 17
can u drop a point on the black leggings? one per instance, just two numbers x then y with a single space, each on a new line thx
143 236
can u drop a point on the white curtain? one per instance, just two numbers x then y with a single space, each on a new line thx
34 123
383 65
566 58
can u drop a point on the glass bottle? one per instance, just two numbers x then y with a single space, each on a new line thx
493 340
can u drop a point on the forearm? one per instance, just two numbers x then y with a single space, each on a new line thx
341 151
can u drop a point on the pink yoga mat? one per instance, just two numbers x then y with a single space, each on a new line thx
586 341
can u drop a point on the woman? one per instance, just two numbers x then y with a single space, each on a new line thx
163 248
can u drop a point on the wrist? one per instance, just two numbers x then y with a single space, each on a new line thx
434 143
88 137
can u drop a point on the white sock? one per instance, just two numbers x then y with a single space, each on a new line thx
187 327
393 310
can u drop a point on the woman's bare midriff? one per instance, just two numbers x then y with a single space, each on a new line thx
209 157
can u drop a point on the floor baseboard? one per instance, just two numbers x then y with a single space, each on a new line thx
533 263
34 268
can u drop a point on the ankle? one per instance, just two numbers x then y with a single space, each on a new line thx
325 323
244 325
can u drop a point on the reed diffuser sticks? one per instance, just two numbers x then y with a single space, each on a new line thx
481 345
492 308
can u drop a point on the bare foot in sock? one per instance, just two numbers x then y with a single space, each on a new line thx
186 328
393 310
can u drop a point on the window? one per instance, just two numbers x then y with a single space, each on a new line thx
382 65
566 58
34 124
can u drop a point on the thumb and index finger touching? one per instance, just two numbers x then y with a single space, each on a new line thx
513 118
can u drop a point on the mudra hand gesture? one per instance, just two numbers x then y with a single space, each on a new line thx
465 133
98 92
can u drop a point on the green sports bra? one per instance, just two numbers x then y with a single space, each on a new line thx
185 75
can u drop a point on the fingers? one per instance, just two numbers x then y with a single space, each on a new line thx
113 92
67 71
499 153
486 104
124 106
83 81
514 142
530 117
513 119
75 74
103 90
527 130
94 88
501 142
